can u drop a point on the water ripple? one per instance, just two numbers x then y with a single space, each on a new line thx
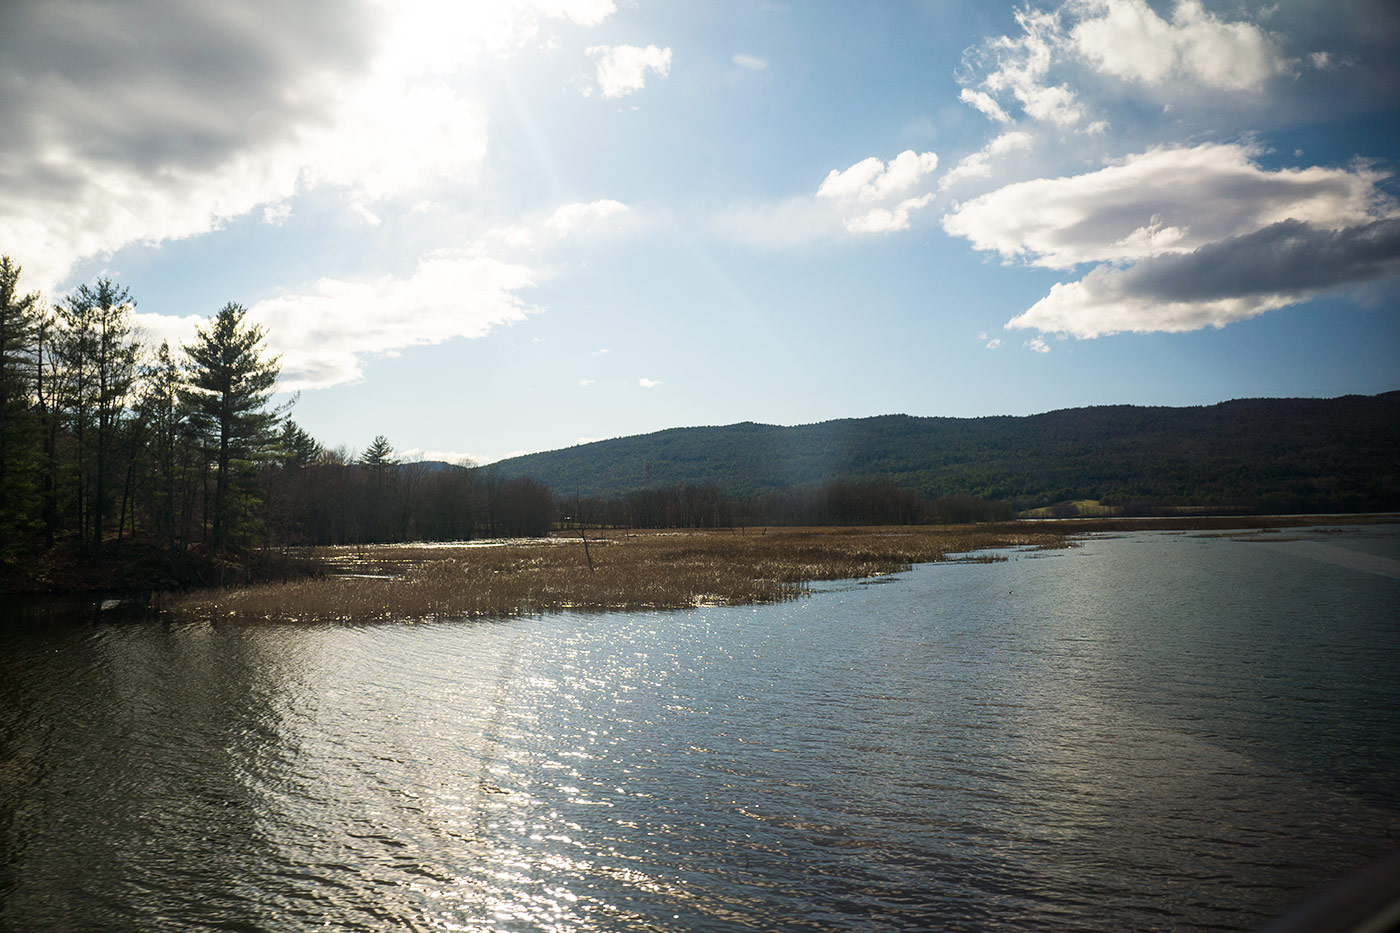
1148 732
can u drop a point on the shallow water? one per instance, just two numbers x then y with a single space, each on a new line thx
1150 731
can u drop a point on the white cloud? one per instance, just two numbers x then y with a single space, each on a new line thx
1124 40
324 333
1127 39
979 164
622 69
1162 200
887 219
870 192
1187 238
586 382
168 328
1021 66
751 62
1037 345
868 197
537 232
1220 283
646 383
985 103
1326 61
275 215
582 216
994 343
1099 304
204 112
391 137
871 180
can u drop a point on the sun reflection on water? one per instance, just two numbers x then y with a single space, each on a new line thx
1074 753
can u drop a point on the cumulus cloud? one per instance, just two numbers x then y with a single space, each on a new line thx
871 193
176 330
868 197
324 333
1187 238
205 112
1167 200
622 69
646 383
872 180
1219 283
1125 40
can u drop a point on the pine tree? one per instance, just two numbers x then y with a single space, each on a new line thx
379 455
227 391
98 350
19 435
164 417
299 449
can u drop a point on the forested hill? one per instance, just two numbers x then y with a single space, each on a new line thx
1272 454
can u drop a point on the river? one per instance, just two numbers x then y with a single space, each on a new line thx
1148 731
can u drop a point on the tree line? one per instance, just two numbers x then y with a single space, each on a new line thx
114 452
835 503
104 441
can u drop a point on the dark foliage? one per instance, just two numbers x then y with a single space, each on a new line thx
1268 455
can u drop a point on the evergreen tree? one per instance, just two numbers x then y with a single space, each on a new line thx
99 351
48 414
164 416
379 455
383 490
19 437
227 391
299 449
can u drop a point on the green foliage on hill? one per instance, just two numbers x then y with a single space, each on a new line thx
1254 454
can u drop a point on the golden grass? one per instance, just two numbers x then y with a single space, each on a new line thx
640 570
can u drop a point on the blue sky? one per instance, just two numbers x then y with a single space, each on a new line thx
483 229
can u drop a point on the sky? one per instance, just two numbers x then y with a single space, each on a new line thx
489 228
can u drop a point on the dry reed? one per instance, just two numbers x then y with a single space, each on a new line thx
645 570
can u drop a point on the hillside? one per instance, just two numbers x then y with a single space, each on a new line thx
1276 454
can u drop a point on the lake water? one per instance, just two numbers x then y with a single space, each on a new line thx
1149 731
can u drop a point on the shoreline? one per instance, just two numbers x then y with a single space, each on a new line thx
634 570
643 570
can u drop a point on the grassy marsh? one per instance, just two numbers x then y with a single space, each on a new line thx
635 570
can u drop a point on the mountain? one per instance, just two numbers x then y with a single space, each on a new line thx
1280 454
